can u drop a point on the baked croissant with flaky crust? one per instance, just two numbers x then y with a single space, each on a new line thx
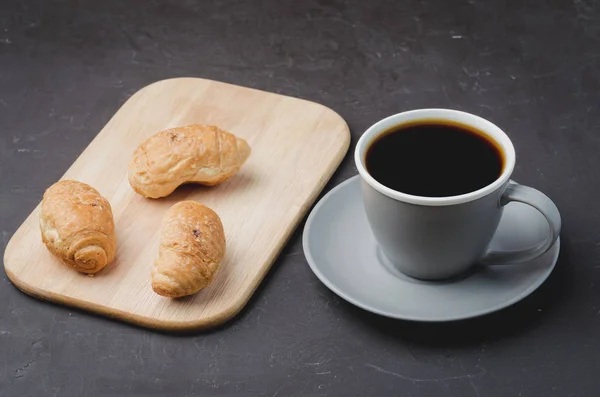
77 226
199 154
192 245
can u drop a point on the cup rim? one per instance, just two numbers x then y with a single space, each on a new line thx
491 130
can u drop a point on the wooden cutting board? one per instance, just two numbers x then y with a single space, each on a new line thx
296 146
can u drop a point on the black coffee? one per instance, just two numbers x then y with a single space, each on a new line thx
434 159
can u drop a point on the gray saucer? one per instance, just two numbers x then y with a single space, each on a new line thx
342 252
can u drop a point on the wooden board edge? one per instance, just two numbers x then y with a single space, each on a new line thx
188 326
147 322
183 78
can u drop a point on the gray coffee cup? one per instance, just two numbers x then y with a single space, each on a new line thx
434 238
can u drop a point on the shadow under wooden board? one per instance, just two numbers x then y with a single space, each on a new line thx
296 147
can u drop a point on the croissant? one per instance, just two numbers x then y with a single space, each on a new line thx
77 226
199 154
192 245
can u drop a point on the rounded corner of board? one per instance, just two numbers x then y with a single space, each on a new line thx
332 112
23 286
345 130
11 276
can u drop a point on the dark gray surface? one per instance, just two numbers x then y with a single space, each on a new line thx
529 66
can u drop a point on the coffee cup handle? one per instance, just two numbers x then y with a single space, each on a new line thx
539 201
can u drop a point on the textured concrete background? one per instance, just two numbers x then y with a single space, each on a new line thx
529 66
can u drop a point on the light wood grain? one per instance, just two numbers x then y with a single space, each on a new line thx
296 146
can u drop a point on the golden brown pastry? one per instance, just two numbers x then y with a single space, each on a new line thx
193 154
192 245
77 226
